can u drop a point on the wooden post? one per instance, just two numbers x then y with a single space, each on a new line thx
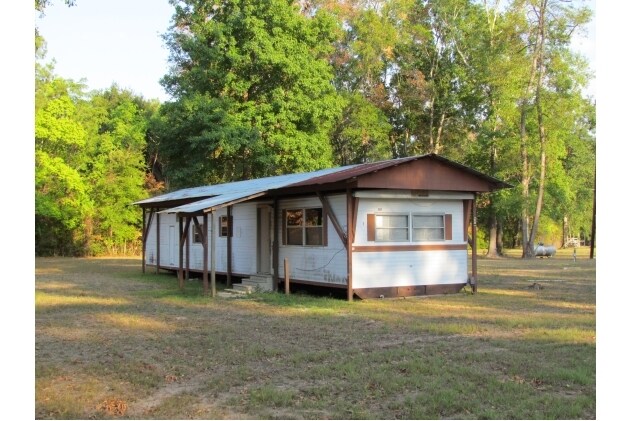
144 239
286 276
188 247
229 249
205 258
157 243
349 248
213 287
180 270
275 244
592 244
474 245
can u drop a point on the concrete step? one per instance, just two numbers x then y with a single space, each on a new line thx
244 288
258 284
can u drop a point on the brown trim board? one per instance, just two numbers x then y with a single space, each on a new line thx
415 247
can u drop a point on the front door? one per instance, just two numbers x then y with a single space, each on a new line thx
264 252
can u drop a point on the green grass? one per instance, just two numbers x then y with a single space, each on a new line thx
105 331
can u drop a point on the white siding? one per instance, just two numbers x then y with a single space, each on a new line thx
243 242
316 263
404 268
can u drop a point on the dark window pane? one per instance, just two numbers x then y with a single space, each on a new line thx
314 217
314 236
294 236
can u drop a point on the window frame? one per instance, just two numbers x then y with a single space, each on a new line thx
304 226
378 228
220 231
414 228
410 228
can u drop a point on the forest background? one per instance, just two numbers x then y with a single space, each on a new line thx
269 87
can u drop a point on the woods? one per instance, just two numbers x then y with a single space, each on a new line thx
272 87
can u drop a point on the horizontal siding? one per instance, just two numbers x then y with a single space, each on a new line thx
387 269
317 264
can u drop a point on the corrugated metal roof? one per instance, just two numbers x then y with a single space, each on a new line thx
245 186
220 195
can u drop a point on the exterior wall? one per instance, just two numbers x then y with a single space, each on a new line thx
316 263
376 264
243 242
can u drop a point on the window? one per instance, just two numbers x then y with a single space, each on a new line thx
391 227
197 234
224 226
404 227
304 227
428 227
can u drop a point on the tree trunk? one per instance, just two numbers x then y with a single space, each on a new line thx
500 237
492 252
540 124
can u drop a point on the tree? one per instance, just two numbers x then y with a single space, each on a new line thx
253 91
61 195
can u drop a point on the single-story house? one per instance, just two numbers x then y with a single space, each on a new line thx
389 228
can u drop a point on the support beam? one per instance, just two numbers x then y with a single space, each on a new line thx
286 276
205 257
229 248
183 239
349 247
157 243
180 246
474 246
336 224
188 248
144 239
276 243
213 236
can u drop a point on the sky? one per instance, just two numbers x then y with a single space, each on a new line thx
109 41
118 41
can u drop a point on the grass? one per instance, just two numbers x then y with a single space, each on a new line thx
114 343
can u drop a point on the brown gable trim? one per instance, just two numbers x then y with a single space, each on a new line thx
426 174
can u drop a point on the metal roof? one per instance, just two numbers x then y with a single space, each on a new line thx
221 195
245 186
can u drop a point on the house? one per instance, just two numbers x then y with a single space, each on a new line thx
390 228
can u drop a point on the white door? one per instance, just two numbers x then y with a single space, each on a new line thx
264 260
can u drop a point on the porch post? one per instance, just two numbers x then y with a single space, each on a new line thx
275 244
213 287
205 258
180 270
229 248
474 245
144 239
349 243
157 243
188 247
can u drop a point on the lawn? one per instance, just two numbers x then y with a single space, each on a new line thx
111 342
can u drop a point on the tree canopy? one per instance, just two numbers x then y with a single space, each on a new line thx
266 87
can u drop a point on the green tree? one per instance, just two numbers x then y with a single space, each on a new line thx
115 169
62 202
253 91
